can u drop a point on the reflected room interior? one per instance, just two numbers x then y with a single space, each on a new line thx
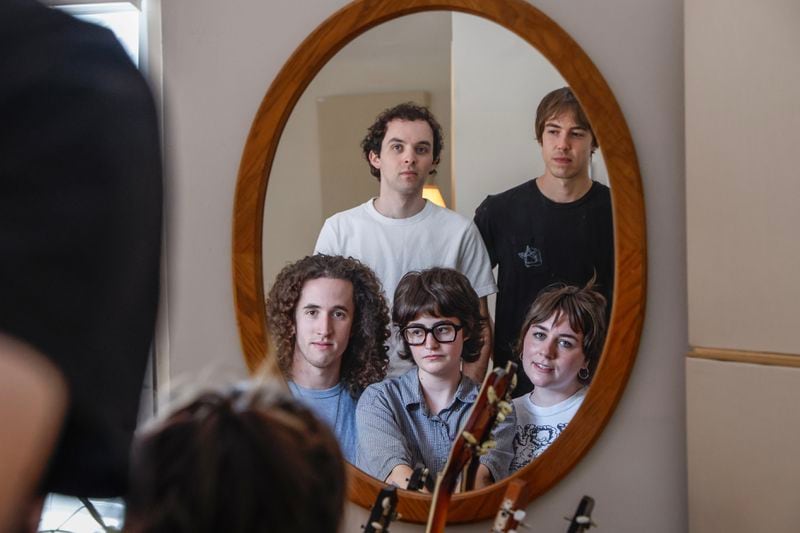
504 155
482 83
480 80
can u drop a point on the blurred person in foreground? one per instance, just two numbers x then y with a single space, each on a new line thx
80 241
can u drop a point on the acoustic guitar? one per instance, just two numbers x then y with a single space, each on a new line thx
582 519
420 479
383 511
491 407
509 516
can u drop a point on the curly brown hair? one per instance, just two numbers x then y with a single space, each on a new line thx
439 292
406 111
242 460
586 311
365 360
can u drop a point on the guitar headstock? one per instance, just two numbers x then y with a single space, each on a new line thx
582 519
509 516
420 479
384 510
491 407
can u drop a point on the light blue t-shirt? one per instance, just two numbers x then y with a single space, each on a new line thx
336 407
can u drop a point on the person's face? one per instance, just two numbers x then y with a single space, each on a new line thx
552 355
323 319
566 147
406 156
433 357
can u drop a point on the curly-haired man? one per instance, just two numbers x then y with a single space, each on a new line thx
400 231
329 320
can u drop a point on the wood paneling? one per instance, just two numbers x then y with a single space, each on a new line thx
743 356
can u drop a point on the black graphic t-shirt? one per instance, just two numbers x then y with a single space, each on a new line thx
536 242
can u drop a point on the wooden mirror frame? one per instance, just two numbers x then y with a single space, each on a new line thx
612 132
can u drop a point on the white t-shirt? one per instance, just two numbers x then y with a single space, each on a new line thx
434 237
538 427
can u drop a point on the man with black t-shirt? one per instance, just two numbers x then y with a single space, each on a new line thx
555 228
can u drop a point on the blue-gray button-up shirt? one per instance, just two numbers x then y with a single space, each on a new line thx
395 426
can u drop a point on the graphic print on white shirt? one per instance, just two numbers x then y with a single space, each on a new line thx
538 427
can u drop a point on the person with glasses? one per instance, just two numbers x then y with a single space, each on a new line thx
414 418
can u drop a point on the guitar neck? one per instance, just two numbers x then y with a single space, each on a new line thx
509 516
383 511
420 479
469 474
437 518
582 519
488 407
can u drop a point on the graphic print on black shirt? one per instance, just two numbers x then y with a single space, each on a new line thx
536 242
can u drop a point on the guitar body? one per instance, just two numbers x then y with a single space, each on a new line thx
383 511
492 405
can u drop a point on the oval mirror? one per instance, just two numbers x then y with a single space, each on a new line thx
296 93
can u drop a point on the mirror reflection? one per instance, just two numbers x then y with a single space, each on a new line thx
483 85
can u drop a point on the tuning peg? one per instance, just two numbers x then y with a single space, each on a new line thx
519 516
520 525
485 447
506 516
491 394
584 521
470 438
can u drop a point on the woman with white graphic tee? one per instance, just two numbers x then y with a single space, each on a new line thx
560 344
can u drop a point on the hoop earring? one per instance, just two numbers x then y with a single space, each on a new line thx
583 373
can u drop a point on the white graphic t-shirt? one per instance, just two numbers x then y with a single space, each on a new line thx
538 427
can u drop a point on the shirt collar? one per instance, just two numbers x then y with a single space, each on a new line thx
411 391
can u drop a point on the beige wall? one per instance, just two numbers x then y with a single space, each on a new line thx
742 185
743 173
219 60
743 436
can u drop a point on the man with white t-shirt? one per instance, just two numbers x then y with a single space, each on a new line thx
400 231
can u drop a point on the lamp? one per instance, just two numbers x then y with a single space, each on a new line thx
432 193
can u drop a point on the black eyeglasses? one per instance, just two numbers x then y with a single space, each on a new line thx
444 332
